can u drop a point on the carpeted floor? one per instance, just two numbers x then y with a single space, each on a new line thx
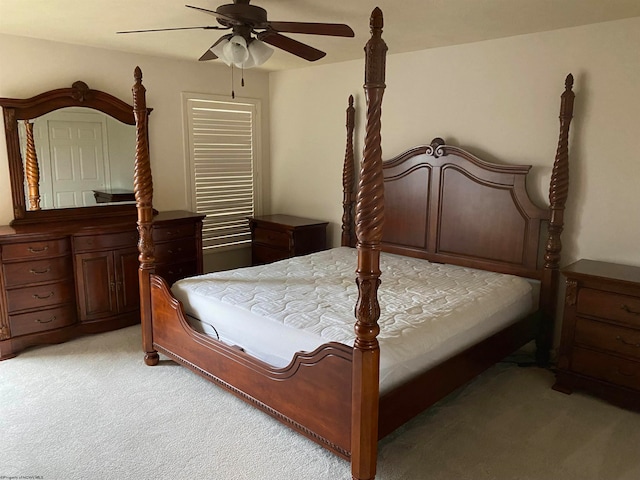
90 409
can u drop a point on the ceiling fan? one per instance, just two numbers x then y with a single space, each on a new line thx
250 30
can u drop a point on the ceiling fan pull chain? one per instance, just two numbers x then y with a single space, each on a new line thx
233 94
242 83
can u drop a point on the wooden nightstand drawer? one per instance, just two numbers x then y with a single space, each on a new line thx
29 250
42 320
606 367
612 306
47 270
171 232
175 251
613 338
273 238
262 254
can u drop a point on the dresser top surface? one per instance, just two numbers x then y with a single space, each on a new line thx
603 270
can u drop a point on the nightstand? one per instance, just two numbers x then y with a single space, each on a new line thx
600 345
276 237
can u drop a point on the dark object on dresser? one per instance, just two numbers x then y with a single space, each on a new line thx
74 278
114 195
600 346
276 237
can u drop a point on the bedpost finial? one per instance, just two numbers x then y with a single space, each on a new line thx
568 82
137 74
350 101
376 21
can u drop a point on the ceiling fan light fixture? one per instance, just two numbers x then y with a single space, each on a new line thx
235 51
259 52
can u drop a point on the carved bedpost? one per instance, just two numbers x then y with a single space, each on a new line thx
369 224
143 189
32 170
348 177
558 192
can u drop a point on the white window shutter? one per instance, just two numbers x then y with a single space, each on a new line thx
223 150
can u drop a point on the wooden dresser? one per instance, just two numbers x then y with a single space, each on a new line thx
600 345
62 280
276 237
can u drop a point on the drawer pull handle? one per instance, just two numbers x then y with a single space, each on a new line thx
628 310
39 250
631 344
40 272
46 321
38 297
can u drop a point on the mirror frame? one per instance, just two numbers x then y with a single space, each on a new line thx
79 95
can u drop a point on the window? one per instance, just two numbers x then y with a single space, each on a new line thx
224 153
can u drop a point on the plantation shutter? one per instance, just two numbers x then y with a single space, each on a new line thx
222 144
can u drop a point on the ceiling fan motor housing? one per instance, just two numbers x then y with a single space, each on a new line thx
244 13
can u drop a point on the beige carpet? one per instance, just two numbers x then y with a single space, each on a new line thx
90 409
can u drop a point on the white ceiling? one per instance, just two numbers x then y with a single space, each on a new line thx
409 24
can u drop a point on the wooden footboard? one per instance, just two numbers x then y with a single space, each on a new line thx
323 375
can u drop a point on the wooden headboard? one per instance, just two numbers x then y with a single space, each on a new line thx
446 205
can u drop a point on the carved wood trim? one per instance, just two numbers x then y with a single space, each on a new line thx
31 168
369 225
348 179
571 295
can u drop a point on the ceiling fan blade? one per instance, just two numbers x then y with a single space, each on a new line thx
209 55
310 28
207 27
233 21
290 45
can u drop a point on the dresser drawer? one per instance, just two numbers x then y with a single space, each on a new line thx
29 250
612 306
39 296
171 232
43 320
47 270
613 338
105 241
175 251
272 238
606 367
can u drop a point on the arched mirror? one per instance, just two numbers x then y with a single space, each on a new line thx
71 154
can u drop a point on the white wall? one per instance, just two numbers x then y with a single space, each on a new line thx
31 66
499 99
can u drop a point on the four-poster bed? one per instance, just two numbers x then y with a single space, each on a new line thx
437 203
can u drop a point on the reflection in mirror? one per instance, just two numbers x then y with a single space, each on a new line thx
80 157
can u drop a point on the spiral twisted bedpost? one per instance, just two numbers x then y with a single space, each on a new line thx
348 177
32 170
143 190
369 224
558 193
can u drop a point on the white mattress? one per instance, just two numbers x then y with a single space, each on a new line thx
429 312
